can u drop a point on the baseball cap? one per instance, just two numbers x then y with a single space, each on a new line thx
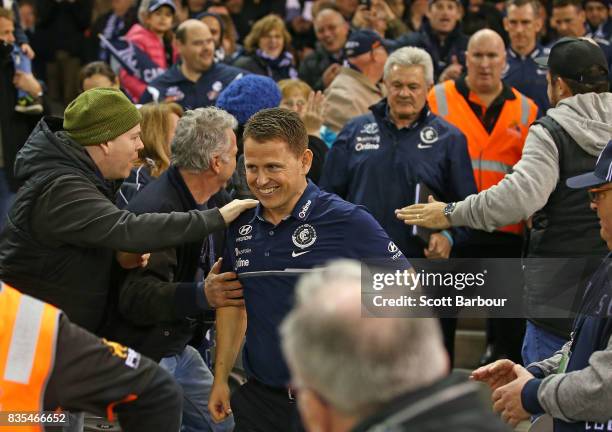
361 42
572 57
156 4
602 173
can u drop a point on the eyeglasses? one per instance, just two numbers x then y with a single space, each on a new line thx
596 194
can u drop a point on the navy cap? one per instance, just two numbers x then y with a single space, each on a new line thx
156 4
361 42
573 57
602 173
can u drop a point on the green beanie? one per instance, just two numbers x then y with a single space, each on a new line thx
99 115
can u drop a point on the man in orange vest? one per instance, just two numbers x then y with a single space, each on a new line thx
47 364
495 119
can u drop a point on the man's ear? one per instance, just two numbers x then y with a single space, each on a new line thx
105 147
306 160
215 164
564 89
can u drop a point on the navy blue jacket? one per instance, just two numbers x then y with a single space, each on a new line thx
158 299
188 94
374 164
527 77
321 228
441 54
591 333
604 31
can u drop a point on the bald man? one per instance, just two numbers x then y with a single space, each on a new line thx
495 119
320 67
197 80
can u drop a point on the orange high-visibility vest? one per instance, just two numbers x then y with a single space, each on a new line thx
493 155
28 331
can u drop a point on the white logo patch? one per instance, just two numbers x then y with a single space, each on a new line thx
366 146
429 135
245 230
242 251
370 128
392 247
133 359
302 213
242 263
295 254
304 236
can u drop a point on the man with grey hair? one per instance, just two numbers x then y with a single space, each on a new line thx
336 375
180 288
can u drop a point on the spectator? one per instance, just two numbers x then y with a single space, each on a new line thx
97 74
267 50
65 363
415 15
563 143
28 14
195 7
379 157
299 97
155 39
74 229
197 80
242 99
495 119
357 85
598 21
21 38
320 67
335 381
232 49
347 8
294 219
158 127
523 24
14 126
442 38
182 285
216 27
573 385
112 25
63 25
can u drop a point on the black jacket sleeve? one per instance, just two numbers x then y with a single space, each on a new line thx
73 211
93 375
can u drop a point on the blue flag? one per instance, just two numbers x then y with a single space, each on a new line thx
131 58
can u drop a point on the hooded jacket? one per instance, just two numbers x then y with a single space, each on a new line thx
63 229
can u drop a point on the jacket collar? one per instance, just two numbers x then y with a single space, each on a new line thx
381 112
303 208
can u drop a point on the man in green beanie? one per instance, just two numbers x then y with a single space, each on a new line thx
64 229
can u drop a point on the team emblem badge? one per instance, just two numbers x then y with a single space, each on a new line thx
304 236
429 135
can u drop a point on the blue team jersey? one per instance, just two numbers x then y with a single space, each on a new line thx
374 164
322 227
527 77
188 94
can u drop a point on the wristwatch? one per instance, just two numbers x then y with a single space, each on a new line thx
449 209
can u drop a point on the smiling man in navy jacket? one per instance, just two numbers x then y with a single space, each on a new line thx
296 225
574 386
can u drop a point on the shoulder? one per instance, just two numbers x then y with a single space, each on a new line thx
356 123
171 76
241 222
157 197
444 129
228 72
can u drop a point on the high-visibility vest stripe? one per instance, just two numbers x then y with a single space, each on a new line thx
488 165
22 350
441 100
524 111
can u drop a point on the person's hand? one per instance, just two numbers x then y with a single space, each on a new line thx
507 399
439 247
452 72
27 50
331 73
219 401
233 209
131 261
429 215
222 289
496 374
312 116
27 82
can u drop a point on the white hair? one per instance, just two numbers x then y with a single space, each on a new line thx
200 135
411 56
356 363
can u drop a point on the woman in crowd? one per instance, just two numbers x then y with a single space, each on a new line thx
158 126
267 50
299 97
97 74
155 38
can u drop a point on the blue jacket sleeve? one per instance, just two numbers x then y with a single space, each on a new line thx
335 174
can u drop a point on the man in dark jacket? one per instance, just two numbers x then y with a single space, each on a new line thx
352 387
63 230
168 297
442 38
320 67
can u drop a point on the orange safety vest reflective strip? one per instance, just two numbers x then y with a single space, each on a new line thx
493 154
28 334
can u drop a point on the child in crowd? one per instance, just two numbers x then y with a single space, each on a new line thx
155 38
